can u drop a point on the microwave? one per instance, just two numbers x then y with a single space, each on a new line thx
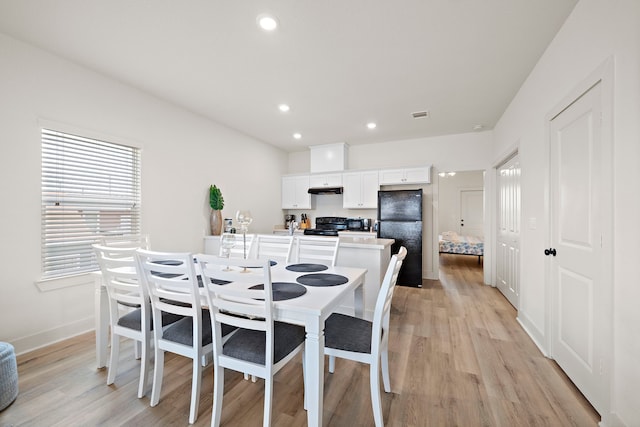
358 224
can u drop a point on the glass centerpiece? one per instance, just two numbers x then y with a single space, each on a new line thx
244 218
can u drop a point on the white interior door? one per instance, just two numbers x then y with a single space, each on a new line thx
576 237
508 227
472 213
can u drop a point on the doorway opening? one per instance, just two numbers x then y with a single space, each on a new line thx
461 215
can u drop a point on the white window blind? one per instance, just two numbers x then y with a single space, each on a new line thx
90 189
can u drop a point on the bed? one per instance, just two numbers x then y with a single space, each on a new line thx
453 243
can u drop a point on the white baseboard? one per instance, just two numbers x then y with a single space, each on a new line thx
51 336
533 333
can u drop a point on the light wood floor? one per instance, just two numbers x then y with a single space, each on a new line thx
457 358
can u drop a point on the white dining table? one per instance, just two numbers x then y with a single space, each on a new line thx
309 310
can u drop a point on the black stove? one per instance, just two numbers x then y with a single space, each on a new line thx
328 226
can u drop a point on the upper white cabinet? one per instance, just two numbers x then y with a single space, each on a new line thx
295 192
419 175
360 190
325 180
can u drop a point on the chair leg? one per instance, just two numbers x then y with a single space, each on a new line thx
268 397
158 368
332 364
195 389
376 401
144 368
218 392
115 354
246 377
137 350
384 356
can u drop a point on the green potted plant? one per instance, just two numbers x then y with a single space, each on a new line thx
216 201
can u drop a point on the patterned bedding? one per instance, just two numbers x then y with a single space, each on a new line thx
453 243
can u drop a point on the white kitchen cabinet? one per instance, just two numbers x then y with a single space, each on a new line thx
295 192
360 190
325 180
419 175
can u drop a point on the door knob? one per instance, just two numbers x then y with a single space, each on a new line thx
550 251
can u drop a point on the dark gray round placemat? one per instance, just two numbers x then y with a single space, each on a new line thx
284 290
213 280
167 262
322 279
306 268
173 262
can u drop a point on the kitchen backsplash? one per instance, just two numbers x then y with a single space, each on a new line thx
330 205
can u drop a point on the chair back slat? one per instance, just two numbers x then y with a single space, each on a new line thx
238 250
317 249
120 276
171 281
126 241
272 247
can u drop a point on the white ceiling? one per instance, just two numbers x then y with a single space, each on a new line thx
338 64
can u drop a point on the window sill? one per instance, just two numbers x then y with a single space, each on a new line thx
48 285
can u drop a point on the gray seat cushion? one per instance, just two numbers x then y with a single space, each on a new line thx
182 330
347 333
133 320
249 345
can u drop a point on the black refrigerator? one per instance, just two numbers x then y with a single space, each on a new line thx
400 218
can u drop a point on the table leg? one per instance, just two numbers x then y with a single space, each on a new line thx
101 304
358 300
314 378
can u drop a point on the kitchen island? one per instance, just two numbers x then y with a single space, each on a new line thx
364 252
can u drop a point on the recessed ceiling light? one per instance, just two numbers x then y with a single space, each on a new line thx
371 125
297 135
478 127
284 108
267 22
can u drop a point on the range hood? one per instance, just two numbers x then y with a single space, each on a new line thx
325 190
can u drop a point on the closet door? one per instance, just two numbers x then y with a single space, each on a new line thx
508 228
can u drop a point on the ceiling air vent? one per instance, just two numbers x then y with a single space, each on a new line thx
420 114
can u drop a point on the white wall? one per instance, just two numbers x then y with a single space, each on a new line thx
182 155
595 31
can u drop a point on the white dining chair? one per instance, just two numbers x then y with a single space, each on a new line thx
317 249
272 247
127 241
129 309
363 341
238 250
172 284
261 346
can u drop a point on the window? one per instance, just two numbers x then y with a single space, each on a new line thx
90 189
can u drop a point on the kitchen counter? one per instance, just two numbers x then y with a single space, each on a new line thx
281 231
364 242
